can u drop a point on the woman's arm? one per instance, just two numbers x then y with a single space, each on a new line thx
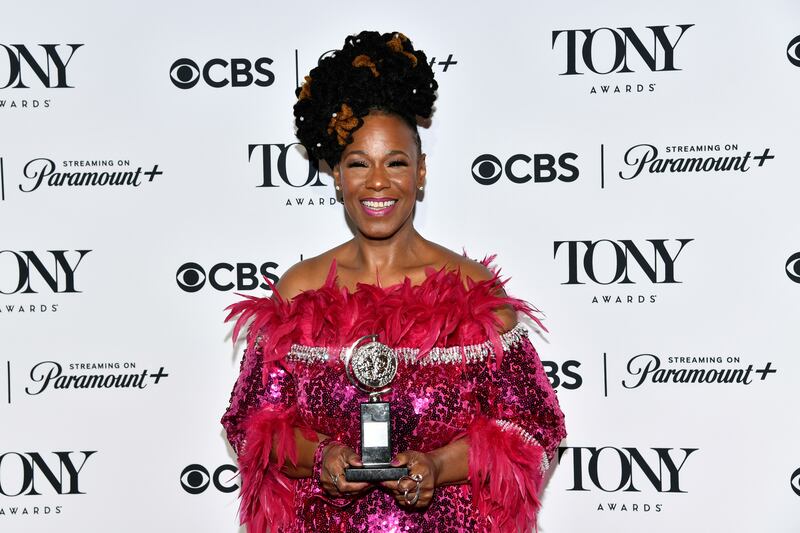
452 463
306 448
514 439
268 389
265 431
334 458
507 449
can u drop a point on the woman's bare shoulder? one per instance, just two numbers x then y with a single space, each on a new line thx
305 275
477 271
469 268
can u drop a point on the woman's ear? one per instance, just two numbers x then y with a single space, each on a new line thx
337 177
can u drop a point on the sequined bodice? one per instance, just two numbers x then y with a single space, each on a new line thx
432 399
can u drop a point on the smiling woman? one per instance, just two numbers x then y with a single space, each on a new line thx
379 175
468 421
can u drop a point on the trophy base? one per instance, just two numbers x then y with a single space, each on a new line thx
379 473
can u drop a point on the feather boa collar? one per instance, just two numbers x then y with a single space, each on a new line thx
439 312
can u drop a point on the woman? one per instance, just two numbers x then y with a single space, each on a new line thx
473 415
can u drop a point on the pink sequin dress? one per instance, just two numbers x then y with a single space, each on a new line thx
458 376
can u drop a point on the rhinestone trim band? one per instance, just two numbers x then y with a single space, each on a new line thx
473 353
507 425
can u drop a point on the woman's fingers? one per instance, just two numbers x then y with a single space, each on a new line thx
351 459
402 459
337 459
412 491
416 489
409 495
348 487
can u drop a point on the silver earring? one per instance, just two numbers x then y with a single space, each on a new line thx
338 188
421 187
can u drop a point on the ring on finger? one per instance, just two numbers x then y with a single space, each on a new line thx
416 478
335 479
413 500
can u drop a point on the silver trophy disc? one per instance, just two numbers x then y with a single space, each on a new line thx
370 365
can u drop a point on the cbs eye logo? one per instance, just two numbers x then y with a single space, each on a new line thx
191 277
793 267
217 73
793 51
487 169
794 481
195 479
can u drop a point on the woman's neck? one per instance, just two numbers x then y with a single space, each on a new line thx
387 257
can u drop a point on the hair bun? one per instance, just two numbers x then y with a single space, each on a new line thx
372 70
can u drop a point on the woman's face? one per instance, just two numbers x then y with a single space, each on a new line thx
379 175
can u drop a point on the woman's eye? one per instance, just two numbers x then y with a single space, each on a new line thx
352 164
398 164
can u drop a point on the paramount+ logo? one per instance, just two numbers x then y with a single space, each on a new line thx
217 73
191 276
488 169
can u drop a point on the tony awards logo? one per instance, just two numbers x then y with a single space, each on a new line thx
371 367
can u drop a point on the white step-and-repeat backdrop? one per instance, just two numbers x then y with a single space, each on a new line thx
632 164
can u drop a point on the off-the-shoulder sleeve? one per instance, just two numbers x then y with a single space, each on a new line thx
254 390
262 415
514 438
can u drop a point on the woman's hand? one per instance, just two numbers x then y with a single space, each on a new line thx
416 489
335 458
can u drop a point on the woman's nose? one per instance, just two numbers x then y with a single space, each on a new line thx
377 180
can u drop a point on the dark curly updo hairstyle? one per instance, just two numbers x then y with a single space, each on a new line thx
372 72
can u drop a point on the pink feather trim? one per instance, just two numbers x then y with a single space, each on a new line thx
267 494
505 476
440 311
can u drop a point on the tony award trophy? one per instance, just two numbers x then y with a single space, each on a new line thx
371 367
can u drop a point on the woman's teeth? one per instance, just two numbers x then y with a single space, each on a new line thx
378 205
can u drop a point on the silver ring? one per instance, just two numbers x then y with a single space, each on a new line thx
335 479
400 480
417 478
413 500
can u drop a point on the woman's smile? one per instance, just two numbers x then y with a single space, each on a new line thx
378 207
